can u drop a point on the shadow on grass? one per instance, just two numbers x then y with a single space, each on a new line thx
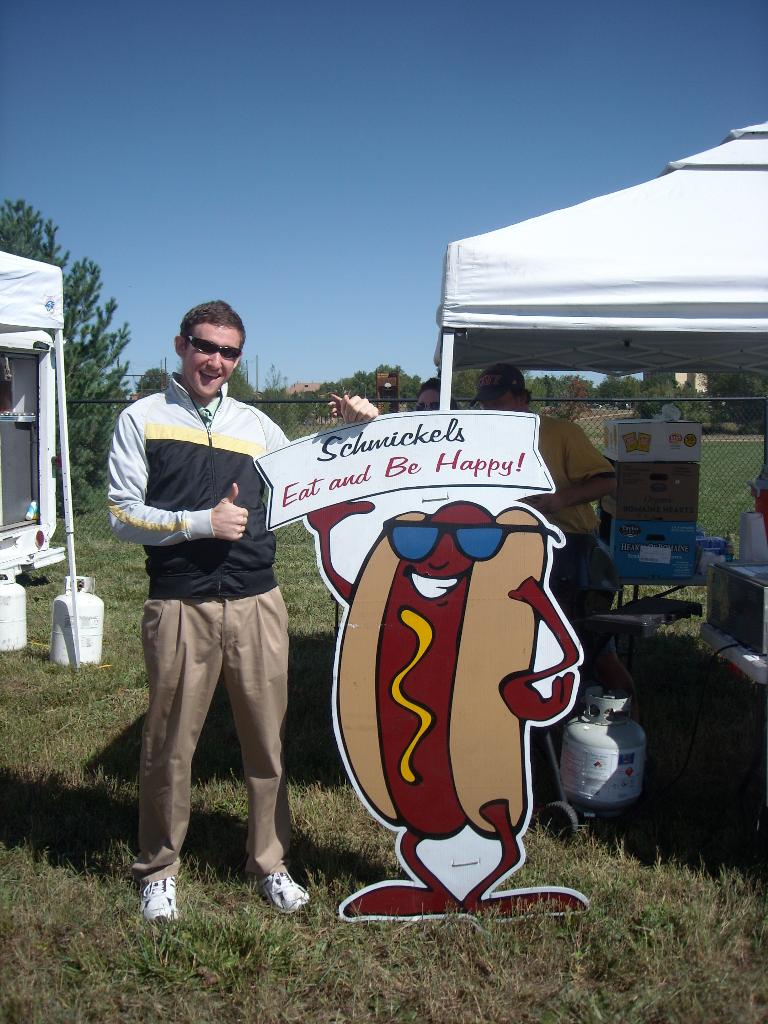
699 810
310 746
86 827
705 818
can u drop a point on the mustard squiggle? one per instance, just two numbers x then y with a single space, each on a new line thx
424 633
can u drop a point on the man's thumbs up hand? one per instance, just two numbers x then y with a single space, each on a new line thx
228 519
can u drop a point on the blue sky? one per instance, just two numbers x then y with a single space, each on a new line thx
310 161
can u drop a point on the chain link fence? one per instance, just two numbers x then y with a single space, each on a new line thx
733 449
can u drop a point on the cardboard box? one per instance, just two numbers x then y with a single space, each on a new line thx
652 441
658 549
657 490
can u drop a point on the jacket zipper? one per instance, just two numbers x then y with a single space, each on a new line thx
208 430
212 463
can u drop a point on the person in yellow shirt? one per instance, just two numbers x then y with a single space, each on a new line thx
581 475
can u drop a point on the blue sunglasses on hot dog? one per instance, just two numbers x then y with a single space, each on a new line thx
414 541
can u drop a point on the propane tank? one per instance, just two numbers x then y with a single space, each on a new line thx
90 622
13 614
603 754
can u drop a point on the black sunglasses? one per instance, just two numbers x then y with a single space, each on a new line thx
423 406
209 348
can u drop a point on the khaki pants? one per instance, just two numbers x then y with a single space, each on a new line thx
187 646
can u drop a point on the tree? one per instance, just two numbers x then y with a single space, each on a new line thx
363 382
275 383
283 415
659 382
93 347
464 383
238 386
692 410
744 415
616 386
152 380
545 385
743 385
575 387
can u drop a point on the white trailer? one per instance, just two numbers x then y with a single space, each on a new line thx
31 304
27 452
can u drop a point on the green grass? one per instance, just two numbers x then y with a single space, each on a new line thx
676 931
727 466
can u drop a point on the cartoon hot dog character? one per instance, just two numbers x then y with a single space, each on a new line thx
452 647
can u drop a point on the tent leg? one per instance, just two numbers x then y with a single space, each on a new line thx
446 370
66 487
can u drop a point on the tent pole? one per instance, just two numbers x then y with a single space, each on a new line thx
446 369
66 487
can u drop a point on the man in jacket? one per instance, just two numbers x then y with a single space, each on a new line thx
183 482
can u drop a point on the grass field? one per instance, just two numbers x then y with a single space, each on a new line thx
677 930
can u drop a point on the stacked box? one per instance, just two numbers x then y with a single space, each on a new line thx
653 440
653 549
653 534
666 491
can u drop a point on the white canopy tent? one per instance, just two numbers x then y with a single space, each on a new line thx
31 295
669 275
32 300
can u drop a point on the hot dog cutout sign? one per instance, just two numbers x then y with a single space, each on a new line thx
451 650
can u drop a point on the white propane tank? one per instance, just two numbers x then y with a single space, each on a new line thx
90 621
13 614
603 755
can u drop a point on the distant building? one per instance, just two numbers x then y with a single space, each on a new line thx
698 381
303 387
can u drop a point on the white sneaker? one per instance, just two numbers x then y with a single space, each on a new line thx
158 900
282 892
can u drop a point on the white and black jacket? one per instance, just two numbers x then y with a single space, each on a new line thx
167 471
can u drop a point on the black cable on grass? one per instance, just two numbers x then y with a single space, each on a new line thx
694 731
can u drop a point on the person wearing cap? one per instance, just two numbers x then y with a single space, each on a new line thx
581 475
